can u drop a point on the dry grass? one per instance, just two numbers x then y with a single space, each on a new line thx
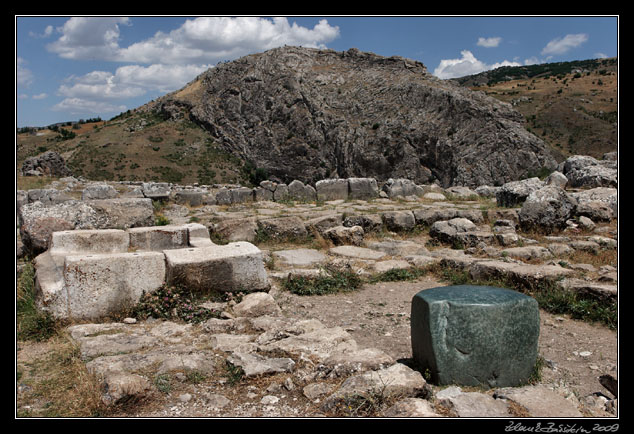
57 382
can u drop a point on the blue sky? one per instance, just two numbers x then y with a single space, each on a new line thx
70 68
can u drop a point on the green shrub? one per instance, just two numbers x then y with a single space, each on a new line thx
173 302
333 281
32 324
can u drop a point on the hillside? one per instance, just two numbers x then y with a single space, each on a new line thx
308 114
572 106
137 145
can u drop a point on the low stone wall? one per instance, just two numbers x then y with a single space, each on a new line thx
88 274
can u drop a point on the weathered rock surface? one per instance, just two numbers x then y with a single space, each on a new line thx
48 163
308 114
475 335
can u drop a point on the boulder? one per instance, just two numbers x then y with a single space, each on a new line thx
593 176
281 193
540 401
597 199
515 193
557 179
283 227
256 304
299 257
48 196
189 197
396 380
243 229
401 188
398 221
475 335
48 163
39 221
89 241
341 235
447 230
300 192
547 208
369 222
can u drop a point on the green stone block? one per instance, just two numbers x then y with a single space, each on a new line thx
475 335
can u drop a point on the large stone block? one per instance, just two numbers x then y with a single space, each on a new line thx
100 284
159 238
475 335
332 189
363 188
232 267
90 241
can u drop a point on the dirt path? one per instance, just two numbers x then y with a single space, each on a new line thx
378 316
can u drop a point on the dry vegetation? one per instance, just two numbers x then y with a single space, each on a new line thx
575 113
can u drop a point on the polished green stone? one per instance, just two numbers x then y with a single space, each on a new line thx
475 335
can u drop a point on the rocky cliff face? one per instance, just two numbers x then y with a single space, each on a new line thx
311 114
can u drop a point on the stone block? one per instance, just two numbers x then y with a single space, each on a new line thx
475 335
363 188
99 191
157 190
332 189
398 221
122 213
159 238
283 227
189 197
89 241
242 195
223 196
100 284
232 267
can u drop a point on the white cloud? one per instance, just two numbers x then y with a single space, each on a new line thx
213 39
95 38
78 106
562 45
173 58
98 85
164 78
98 90
466 65
48 31
24 76
129 81
601 55
199 40
489 42
40 96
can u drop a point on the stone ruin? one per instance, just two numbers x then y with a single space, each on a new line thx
88 274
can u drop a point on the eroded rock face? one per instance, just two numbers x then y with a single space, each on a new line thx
310 114
48 163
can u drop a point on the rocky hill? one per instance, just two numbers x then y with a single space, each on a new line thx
309 114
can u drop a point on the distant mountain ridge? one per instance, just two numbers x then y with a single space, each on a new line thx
542 70
572 106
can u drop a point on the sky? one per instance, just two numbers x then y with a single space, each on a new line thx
70 68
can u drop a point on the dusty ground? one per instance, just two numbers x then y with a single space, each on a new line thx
377 315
